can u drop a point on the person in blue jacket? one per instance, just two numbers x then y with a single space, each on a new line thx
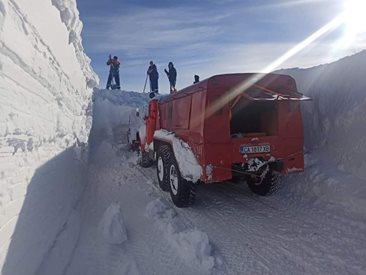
153 76
113 72
172 76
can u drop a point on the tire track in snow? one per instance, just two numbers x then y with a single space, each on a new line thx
113 179
167 257
92 254
253 236
286 229
216 221
219 266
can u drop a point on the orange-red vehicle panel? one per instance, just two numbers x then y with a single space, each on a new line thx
226 114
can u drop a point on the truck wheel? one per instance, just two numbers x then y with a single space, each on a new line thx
162 158
145 160
183 192
264 187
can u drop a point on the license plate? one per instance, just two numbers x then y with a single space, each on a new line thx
255 149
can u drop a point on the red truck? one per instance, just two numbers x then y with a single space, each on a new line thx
244 127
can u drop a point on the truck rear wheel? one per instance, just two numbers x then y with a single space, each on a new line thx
182 192
162 157
265 186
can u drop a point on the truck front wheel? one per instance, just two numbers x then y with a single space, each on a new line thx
145 160
182 191
162 157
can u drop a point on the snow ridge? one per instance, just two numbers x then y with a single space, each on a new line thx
114 113
193 245
112 225
70 17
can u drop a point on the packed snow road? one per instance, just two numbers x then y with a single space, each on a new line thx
126 229
280 234
129 226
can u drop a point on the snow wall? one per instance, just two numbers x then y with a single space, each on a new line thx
45 96
335 132
114 113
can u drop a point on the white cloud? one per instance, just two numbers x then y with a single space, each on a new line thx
149 29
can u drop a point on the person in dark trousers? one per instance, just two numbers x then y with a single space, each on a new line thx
153 76
172 76
113 72
196 79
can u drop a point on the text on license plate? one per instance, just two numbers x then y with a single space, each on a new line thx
253 149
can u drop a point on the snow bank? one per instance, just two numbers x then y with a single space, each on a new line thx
115 112
335 131
192 245
188 165
70 17
112 226
45 96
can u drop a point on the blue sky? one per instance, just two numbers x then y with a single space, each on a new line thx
208 37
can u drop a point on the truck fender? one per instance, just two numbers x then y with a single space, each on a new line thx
188 164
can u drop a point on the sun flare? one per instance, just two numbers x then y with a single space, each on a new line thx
355 18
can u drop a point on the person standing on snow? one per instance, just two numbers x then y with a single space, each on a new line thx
196 79
113 72
153 76
172 76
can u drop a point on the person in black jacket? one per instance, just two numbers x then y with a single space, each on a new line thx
196 79
153 76
172 76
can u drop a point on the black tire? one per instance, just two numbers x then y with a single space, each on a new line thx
236 179
182 192
145 160
267 186
162 157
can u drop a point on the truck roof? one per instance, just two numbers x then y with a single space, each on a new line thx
277 84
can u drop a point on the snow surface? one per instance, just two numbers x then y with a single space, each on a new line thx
112 226
192 244
228 231
63 211
187 162
149 247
